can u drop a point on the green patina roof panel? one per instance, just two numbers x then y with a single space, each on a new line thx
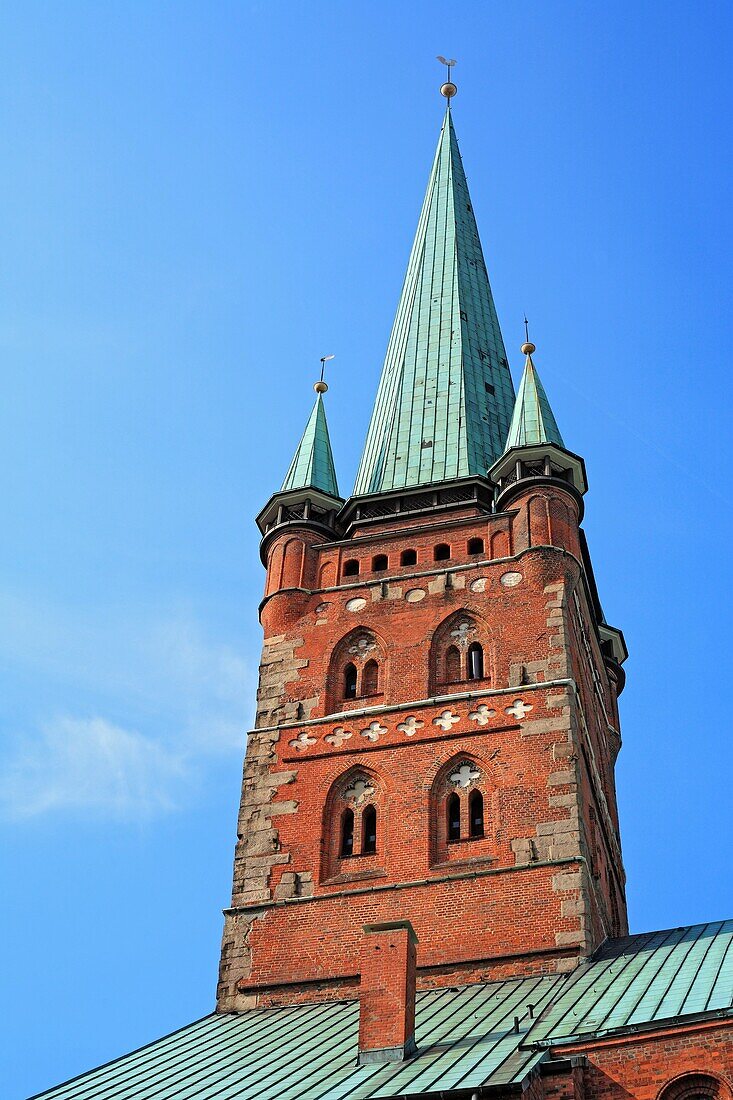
445 396
533 420
465 1036
644 979
313 465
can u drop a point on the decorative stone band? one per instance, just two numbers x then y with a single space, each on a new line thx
349 717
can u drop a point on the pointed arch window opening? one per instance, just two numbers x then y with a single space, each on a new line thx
475 662
369 831
476 813
453 816
350 681
347 834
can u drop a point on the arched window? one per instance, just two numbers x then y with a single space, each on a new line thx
452 665
476 813
475 662
347 834
351 568
370 678
695 1086
475 546
350 681
408 557
369 831
453 808
380 562
441 552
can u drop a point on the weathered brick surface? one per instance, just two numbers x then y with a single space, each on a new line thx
658 1066
539 729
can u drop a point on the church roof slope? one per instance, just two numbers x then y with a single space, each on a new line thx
643 981
466 1037
445 396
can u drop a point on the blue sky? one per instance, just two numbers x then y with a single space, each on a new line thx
196 202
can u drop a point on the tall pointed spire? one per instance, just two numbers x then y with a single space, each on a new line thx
445 397
313 466
533 420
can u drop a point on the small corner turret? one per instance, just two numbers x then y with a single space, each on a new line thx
535 451
309 495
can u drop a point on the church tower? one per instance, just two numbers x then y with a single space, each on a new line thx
430 780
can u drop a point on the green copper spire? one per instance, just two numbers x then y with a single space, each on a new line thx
533 420
312 466
445 397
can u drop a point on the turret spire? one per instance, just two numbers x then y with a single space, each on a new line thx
313 466
445 396
533 420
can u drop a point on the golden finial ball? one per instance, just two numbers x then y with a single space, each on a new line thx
320 387
528 348
448 89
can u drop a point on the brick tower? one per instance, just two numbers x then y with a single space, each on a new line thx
437 720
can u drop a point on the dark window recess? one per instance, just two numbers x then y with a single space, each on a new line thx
481 354
408 557
476 813
426 443
350 682
489 388
351 568
454 817
347 834
464 315
475 662
504 362
452 665
370 678
441 552
369 831
380 563
475 546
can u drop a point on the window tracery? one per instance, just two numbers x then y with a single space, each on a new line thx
459 799
353 826
460 651
357 669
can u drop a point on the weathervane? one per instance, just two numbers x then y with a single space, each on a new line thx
527 347
321 386
448 89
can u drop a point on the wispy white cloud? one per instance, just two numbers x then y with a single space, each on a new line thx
93 766
136 712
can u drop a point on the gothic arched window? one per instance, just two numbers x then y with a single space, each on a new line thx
453 810
460 813
475 546
408 557
369 831
380 562
460 650
370 678
351 568
441 552
476 813
350 680
475 663
357 669
347 834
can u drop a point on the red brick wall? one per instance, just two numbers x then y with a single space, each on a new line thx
550 845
